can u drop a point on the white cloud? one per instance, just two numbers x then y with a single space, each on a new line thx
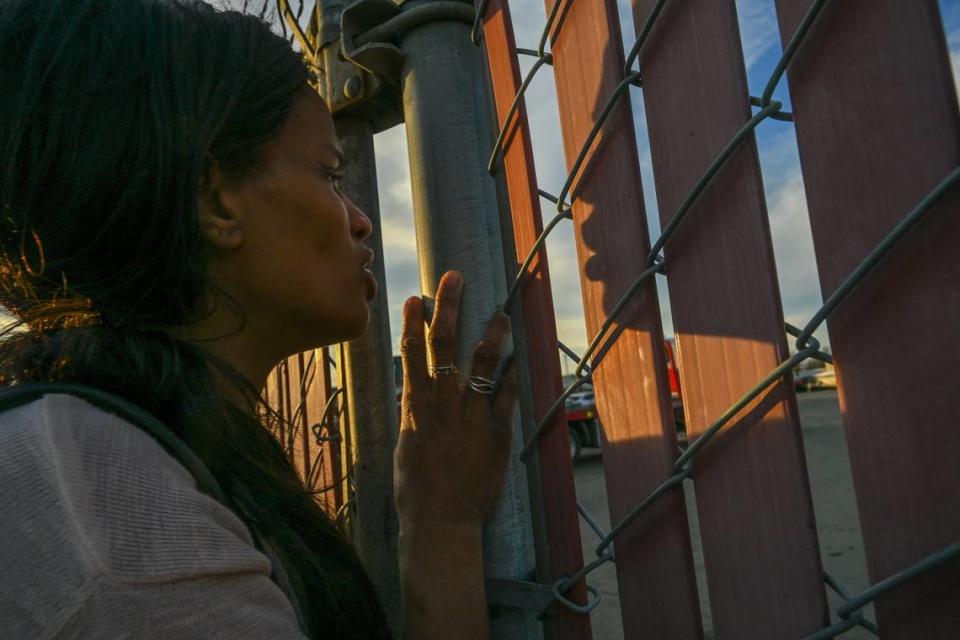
793 248
399 241
396 198
758 29
396 223
953 40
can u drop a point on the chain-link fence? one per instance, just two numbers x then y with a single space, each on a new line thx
851 614
306 392
753 475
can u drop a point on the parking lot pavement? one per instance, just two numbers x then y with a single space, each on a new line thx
838 525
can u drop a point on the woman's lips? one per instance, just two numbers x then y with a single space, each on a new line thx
371 283
366 267
369 257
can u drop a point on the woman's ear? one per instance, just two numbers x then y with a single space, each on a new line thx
219 210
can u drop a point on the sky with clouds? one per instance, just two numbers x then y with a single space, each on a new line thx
793 246
783 183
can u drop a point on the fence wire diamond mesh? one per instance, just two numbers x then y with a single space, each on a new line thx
851 613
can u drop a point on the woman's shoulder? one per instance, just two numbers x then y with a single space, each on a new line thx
95 515
62 435
73 471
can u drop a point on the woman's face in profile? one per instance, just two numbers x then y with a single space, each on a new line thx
293 256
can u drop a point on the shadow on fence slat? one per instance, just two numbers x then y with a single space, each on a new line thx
876 116
654 561
753 495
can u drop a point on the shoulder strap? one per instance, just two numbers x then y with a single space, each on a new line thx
19 394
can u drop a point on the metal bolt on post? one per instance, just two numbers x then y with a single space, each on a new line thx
352 87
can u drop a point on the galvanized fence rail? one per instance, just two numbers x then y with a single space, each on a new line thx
879 134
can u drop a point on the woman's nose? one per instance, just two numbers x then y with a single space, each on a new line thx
360 224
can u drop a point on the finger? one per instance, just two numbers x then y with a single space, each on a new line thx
413 352
505 399
486 356
442 336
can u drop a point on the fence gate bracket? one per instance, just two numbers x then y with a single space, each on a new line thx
381 58
359 63
362 81
519 594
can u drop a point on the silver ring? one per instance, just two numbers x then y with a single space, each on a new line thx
482 385
444 370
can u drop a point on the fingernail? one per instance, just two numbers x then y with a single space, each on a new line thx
454 278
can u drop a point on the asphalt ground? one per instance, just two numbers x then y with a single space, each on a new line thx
834 508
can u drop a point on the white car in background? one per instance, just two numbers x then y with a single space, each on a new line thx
810 379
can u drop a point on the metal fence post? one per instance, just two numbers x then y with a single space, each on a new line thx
370 433
371 396
447 113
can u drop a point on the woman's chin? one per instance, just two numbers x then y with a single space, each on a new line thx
326 325
354 327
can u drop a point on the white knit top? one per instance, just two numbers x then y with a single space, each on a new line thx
104 535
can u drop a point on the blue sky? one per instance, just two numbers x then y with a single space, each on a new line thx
793 246
783 182
790 227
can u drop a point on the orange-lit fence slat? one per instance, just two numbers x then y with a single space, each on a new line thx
753 496
303 421
878 128
343 444
330 475
556 485
653 554
292 391
300 389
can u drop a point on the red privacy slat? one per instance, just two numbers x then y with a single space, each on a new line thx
877 122
753 497
556 487
654 566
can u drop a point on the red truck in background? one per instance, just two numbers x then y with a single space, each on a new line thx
582 415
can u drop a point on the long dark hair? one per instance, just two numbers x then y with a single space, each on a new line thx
111 111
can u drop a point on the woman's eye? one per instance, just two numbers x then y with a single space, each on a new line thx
335 179
332 175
